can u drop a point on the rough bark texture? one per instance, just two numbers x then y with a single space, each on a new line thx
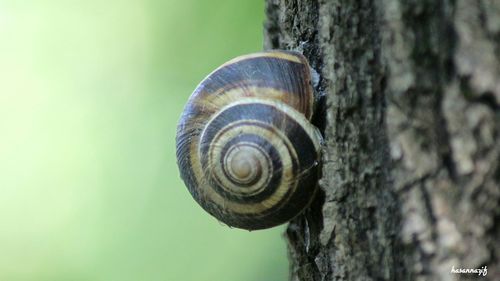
411 119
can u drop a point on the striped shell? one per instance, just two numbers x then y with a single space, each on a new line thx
245 146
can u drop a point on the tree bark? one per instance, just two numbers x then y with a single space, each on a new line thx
411 119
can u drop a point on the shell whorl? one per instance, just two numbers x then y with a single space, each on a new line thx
245 146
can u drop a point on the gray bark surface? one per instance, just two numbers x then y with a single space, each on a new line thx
411 119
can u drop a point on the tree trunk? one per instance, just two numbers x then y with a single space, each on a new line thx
411 119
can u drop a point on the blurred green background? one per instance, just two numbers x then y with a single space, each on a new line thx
90 93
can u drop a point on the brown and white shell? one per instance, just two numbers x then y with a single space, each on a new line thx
246 149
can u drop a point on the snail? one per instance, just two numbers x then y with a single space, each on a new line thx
246 148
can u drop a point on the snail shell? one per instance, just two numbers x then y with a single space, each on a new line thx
246 149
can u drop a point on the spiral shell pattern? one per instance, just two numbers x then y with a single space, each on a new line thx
245 146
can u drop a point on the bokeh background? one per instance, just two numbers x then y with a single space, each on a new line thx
90 93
